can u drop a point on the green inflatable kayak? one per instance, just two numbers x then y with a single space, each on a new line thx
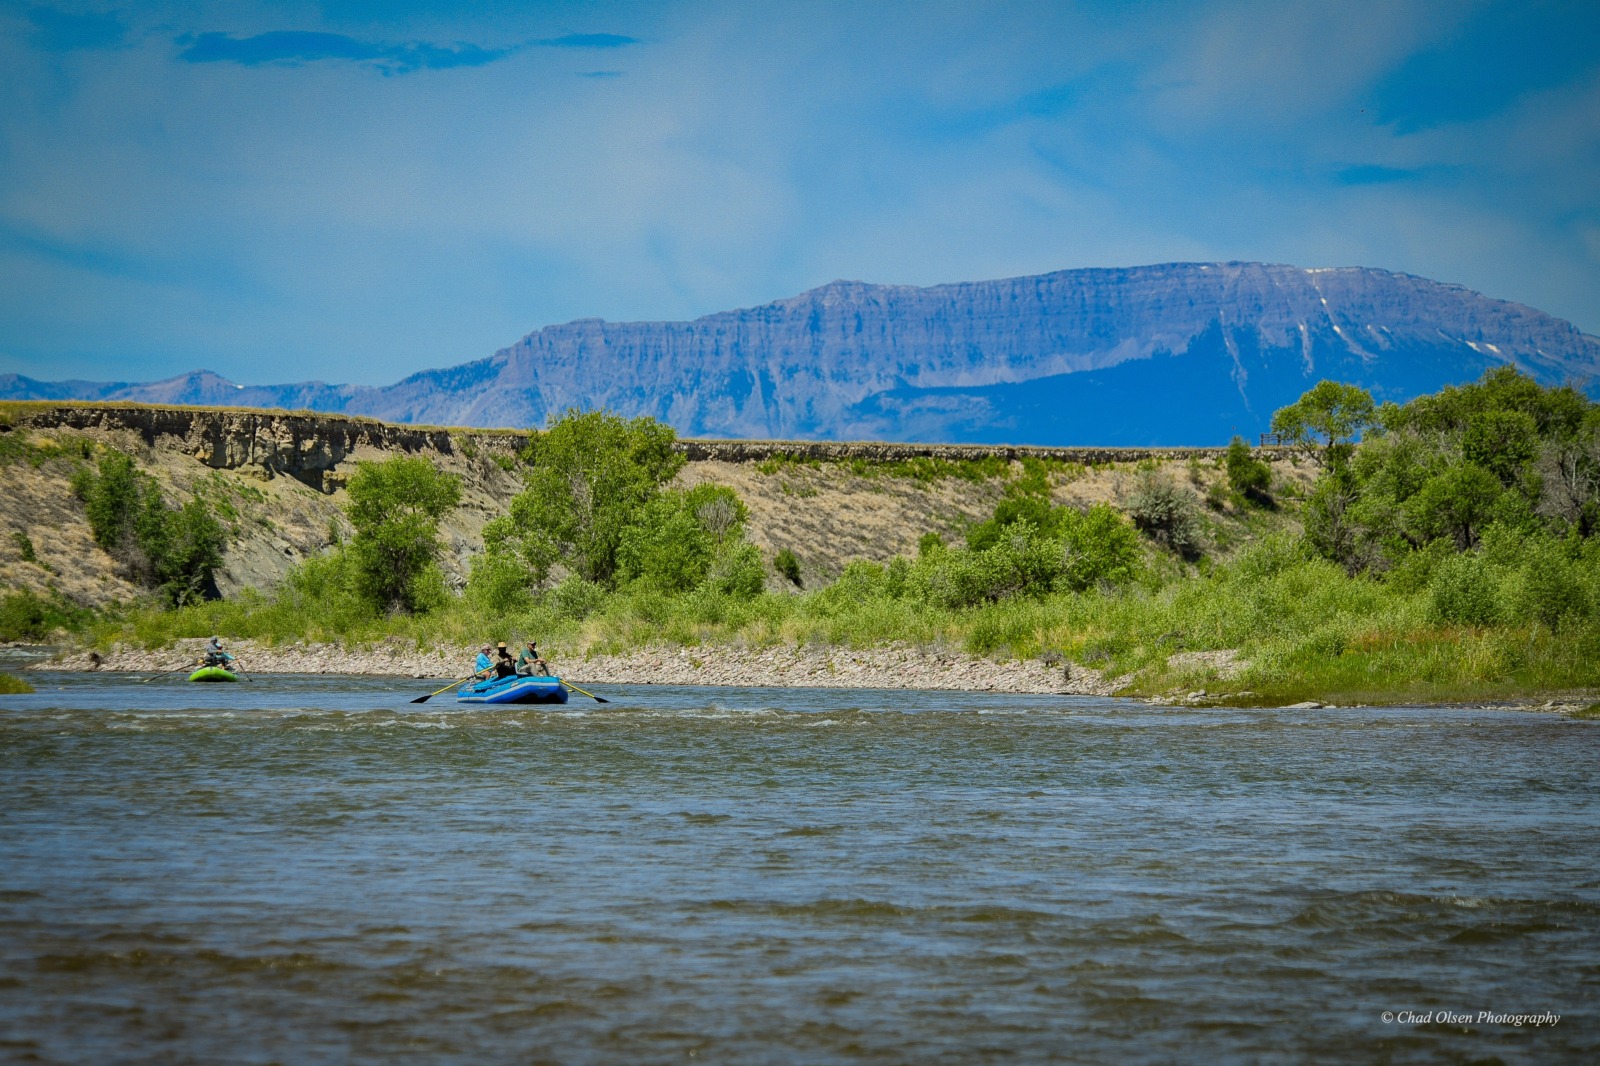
213 673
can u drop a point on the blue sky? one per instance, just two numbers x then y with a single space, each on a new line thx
356 191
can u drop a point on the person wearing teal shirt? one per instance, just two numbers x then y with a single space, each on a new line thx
529 662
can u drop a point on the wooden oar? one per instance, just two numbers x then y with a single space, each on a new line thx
451 685
591 695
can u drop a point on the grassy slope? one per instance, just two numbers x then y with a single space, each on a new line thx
1303 631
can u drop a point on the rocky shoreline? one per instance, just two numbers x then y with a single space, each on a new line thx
895 667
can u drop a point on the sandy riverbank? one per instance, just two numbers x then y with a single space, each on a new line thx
790 666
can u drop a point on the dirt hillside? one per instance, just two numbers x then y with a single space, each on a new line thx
277 479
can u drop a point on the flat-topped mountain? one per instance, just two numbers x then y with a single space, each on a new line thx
1185 353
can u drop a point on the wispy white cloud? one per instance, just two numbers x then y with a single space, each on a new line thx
295 47
280 212
292 47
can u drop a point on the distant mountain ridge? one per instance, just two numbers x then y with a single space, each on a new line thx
1183 353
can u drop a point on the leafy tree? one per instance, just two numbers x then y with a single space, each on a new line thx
191 554
1456 503
673 541
589 475
176 551
395 507
112 498
1569 477
1325 421
1333 525
1501 442
1502 451
1555 412
666 547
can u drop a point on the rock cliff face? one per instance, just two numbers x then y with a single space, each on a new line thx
306 447
1180 353
275 478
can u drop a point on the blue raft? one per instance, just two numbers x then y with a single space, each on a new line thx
514 690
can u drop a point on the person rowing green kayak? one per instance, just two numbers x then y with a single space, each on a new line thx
215 655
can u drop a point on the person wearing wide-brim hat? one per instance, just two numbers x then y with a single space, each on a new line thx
504 664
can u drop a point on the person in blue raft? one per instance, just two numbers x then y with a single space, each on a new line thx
531 679
530 663
526 679
494 663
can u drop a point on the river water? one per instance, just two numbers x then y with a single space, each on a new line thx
314 870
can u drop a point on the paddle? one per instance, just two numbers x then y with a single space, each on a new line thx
591 695
451 685
238 671
164 673
575 688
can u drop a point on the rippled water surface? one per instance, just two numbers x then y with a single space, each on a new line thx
312 869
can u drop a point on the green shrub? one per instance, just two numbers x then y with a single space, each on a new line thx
576 598
498 583
1548 584
1413 570
13 686
788 564
1033 510
27 617
1465 591
1099 547
736 570
1248 476
1269 557
1166 513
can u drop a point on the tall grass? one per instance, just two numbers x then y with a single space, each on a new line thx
13 686
1302 627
